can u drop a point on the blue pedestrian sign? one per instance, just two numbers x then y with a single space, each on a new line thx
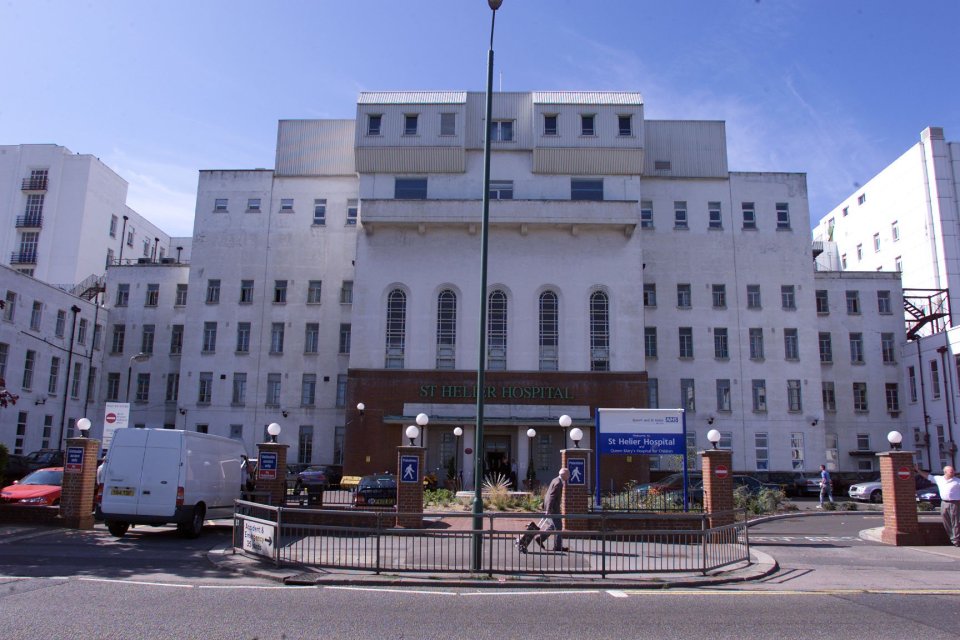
578 471
409 469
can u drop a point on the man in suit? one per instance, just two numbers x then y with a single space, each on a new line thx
551 503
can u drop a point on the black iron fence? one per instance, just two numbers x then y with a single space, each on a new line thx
606 544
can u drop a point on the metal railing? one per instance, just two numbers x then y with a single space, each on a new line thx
23 257
608 544
29 221
306 495
34 184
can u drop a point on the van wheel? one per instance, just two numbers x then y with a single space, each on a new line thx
193 528
876 496
117 529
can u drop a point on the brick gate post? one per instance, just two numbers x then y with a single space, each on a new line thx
717 485
79 482
577 491
410 487
900 524
272 481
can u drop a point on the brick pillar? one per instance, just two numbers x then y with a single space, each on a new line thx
276 486
717 485
576 497
410 491
79 483
900 525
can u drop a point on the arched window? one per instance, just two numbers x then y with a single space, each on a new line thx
549 331
396 328
599 332
446 329
497 331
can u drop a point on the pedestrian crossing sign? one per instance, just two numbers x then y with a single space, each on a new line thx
578 471
409 469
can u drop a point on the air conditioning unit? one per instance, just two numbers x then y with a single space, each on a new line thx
143 260
168 260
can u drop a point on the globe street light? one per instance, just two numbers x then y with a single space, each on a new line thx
895 438
565 422
422 420
576 434
412 432
83 424
714 437
274 430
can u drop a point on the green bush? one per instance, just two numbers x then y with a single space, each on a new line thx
439 497
848 506
924 506
764 502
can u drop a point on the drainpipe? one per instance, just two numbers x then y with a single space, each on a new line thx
66 386
949 397
123 239
923 401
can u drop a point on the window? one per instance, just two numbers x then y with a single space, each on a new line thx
273 390
344 345
308 390
97 336
213 291
236 431
646 214
313 291
823 301
447 329
410 124
719 296
119 333
829 394
791 344
843 261
686 342
783 216
173 387
586 125
756 344
895 231
209 337
723 395
176 339
130 237
497 331
203 428
374 120
680 214
599 331
410 189
243 337
311 338
501 131
60 326
749 215
859 252
935 379
341 400
860 397
761 450
4 356
826 347
205 387
853 302
683 296
586 189
912 381
501 189
794 402
91 385
276 337
123 295
688 400
143 388
845 211
320 211
856 348
353 206
625 125
113 387
36 315
396 329
286 205
876 243
246 291
153 295
279 291
653 393
53 381
113 226
10 306
898 264
253 205
448 124
650 342
550 124
220 205
180 300
788 297
147 336
861 198
796 450
346 292
649 294
887 348
883 302
715 220
892 393
721 349
753 296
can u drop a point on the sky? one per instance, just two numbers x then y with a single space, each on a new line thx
836 89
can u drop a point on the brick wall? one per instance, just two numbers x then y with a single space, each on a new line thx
717 485
79 487
410 494
576 498
276 487
900 524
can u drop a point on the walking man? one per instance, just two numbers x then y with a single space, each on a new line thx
949 486
826 486
551 503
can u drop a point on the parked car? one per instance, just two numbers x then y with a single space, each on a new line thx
871 491
672 482
930 495
377 490
318 477
17 467
806 483
42 458
40 488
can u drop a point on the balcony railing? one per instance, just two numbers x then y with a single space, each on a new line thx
23 257
29 221
34 184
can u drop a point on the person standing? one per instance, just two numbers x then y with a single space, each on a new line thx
826 486
949 486
551 503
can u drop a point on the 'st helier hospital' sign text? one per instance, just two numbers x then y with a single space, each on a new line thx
641 431
505 392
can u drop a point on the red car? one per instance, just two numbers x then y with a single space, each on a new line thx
40 488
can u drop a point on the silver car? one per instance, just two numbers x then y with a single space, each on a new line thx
867 491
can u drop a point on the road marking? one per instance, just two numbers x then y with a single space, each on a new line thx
391 590
783 592
618 594
529 592
761 538
256 586
139 582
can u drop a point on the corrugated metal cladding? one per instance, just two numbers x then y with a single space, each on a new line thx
606 125
412 97
315 148
588 162
694 149
588 97
392 119
506 106
411 160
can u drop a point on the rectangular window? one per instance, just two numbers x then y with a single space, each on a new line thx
625 125
91 385
794 402
859 253
246 291
276 338
756 343
239 396
153 295
60 326
753 296
550 124
344 346
501 131
286 205
119 335
749 215
715 218
843 261
687 394
721 350
220 205
892 393
97 336
311 338
762 450
649 294
346 292
53 381
888 348
320 211
341 400
130 238
209 337
410 124
181 297
273 390
686 342
213 291
861 198
680 214
113 387
856 348
203 428
723 395
791 344
4 356
313 291
147 338
796 450
374 121
719 296
823 301
894 231
243 337
883 302
143 388
650 342
36 315
236 432
829 394
305 444
173 387
176 339
353 208
853 302
912 380
653 393
586 189
448 124
860 397
935 379
113 226
308 390
646 214
501 189
10 306
876 243
586 125
826 347
279 291
898 264
783 215
788 297
123 295
410 189
683 296
253 205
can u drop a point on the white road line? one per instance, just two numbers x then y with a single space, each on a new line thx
392 590
5 577
532 592
617 594
140 582
255 586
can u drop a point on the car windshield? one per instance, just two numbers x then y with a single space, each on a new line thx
313 470
378 482
44 476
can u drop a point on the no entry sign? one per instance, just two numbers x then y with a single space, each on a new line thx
904 473
721 471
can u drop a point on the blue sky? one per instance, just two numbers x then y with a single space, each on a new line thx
837 89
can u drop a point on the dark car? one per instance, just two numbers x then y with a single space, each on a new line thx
318 477
928 492
377 490
43 458
17 467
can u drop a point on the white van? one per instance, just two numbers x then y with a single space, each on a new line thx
159 476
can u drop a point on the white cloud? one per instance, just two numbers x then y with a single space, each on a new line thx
164 193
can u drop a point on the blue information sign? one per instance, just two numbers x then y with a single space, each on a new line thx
74 463
578 471
409 469
267 469
641 431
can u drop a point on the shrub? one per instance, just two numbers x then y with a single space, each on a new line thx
439 497
924 506
766 501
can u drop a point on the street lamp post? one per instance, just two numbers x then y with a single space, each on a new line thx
531 473
477 551
140 357
457 431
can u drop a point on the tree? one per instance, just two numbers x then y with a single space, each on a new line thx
6 398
